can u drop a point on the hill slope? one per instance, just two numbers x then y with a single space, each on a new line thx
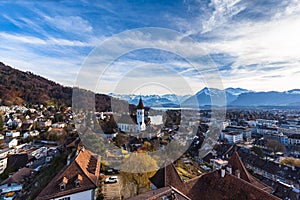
17 87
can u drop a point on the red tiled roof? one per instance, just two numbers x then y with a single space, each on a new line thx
167 176
213 186
85 167
168 191
19 176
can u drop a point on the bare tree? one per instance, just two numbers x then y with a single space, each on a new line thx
275 146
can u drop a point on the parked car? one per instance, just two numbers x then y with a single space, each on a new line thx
111 179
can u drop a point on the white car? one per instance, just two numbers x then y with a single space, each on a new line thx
111 179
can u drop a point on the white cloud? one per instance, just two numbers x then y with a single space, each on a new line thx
21 39
70 24
223 11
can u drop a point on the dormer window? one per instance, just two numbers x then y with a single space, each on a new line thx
62 187
63 183
78 180
77 183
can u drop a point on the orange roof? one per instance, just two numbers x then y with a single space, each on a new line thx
85 168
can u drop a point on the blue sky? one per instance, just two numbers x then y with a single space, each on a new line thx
254 44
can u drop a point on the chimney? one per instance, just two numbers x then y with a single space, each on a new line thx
69 160
238 173
222 172
229 169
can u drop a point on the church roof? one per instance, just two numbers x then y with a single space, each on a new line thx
140 105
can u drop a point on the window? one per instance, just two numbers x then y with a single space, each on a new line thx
77 183
65 198
62 187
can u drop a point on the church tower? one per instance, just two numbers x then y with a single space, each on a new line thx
140 116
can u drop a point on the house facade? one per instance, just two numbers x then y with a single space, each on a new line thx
77 180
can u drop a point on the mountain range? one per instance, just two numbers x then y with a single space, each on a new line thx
212 96
18 87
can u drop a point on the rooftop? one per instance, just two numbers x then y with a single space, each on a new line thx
85 168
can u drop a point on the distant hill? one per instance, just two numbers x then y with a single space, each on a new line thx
288 98
242 97
23 88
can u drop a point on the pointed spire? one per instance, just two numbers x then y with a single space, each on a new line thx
140 105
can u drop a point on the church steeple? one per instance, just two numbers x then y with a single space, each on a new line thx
140 105
140 116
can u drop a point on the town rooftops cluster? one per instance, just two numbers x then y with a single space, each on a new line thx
233 183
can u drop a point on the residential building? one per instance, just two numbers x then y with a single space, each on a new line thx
44 123
264 129
218 163
271 170
13 134
240 129
76 181
294 139
232 137
12 143
3 164
15 182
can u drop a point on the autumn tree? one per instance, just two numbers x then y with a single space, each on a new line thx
136 171
291 162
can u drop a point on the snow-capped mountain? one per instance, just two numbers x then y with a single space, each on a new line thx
295 91
213 96
237 91
167 100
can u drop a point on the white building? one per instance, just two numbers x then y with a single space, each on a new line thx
218 163
3 164
233 137
127 125
244 130
13 143
156 119
31 133
127 128
266 122
13 134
